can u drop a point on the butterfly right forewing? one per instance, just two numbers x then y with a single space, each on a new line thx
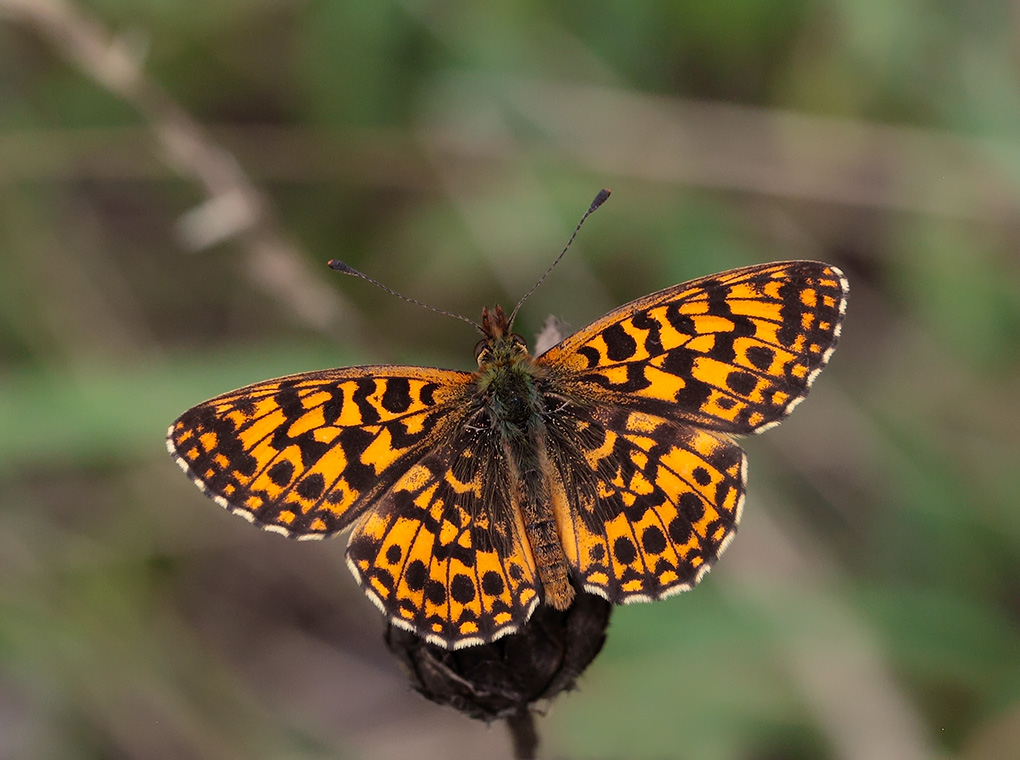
733 352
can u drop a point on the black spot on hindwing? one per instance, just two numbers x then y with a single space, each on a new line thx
281 473
624 550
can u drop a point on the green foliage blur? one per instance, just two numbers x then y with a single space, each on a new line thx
173 178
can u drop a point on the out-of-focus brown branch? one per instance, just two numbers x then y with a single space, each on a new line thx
235 207
614 133
773 152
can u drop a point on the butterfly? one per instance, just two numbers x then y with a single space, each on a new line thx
606 463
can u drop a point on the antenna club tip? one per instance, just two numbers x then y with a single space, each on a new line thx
339 266
601 198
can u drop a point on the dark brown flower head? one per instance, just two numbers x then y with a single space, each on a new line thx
508 676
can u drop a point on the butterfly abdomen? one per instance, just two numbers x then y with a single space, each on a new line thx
528 475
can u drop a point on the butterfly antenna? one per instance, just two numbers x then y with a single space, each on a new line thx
599 200
340 266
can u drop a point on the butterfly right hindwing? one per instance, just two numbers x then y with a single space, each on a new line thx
652 503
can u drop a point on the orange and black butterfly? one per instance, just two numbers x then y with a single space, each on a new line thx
475 496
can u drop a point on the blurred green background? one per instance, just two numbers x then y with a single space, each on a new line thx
173 177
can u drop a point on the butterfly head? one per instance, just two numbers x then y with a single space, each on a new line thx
499 346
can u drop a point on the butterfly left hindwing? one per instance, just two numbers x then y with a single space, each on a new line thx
443 553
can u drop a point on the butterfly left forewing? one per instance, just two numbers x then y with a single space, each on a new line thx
304 455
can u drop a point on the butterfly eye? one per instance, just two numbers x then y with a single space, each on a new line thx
482 352
519 343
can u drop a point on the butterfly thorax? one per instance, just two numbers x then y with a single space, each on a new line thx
509 384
